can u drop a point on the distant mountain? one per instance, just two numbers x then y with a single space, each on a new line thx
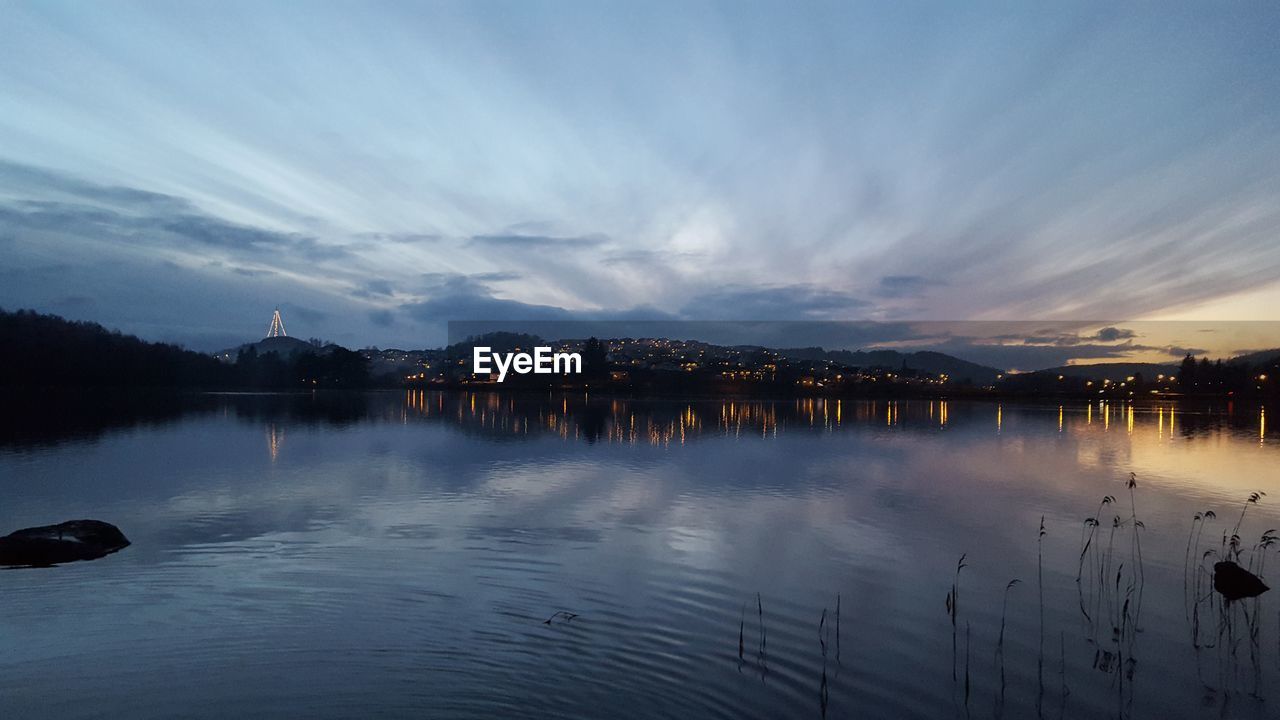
1261 357
935 363
1115 372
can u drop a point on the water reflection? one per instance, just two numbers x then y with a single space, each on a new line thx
275 436
400 553
32 422
660 423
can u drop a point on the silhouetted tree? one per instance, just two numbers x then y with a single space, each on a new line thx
1187 374
595 359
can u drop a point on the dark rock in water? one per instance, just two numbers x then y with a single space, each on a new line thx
65 542
1236 583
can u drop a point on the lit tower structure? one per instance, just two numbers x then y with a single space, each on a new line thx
277 326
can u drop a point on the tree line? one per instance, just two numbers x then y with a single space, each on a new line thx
1237 378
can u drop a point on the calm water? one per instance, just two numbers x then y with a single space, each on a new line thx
397 555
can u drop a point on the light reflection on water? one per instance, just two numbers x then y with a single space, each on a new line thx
399 554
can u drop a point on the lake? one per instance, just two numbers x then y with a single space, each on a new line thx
480 555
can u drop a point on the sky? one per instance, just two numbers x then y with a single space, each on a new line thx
375 170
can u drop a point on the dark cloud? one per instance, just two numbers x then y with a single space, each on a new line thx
70 207
1112 334
219 233
1178 351
537 242
310 315
376 286
381 318
316 251
472 306
253 272
402 238
72 303
468 306
1024 357
648 258
41 181
780 302
897 286
456 296
435 280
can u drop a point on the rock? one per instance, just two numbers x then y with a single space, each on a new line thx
1236 583
65 542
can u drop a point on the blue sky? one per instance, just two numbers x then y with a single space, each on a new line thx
179 169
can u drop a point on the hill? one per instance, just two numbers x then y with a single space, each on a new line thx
931 362
1115 372
1257 359
46 350
284 346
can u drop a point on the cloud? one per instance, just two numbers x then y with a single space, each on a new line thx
455 306
36 180
648 258
1026 357
480 280
381 318
72 303
898 286
1112 334
218 233
72 208
311 316
538 242
467 304
376 286
871 180
400 238
459 296
778 302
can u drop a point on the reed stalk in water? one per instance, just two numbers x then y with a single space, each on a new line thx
742 629
1253 500
953 599
1040 601
837 628
763 635
1140 577
1004 611
1197 522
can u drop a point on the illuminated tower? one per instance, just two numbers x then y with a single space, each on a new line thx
277 326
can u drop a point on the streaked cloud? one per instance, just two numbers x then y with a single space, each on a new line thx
394 168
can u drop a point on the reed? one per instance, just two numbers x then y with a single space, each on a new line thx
1254 497
742 630
1087 536
1040 603
999 659
967 686
953 603
1269 539
568 616
1105 569
763 634
1136 524
1062 675
822 632
1197 522
837 628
